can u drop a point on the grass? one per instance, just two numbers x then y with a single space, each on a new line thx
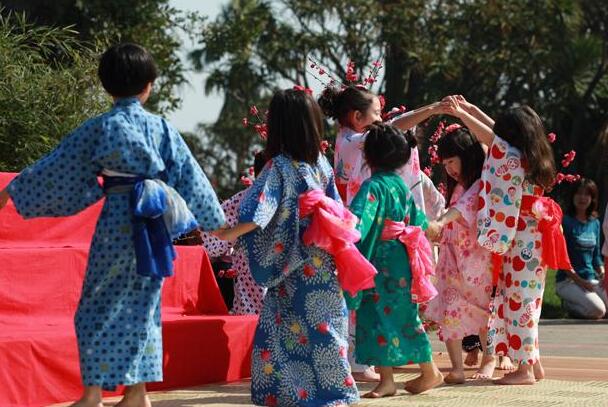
552 304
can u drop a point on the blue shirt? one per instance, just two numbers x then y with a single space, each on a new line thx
583 241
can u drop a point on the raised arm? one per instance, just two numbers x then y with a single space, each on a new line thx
412 118
475 111
480 130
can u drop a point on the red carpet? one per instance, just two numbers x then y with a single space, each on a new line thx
42 265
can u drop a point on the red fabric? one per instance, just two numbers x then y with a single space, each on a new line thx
332 228
549 215
43 262
420 255
342 189
497 263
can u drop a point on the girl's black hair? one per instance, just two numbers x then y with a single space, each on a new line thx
387 148
259 162
522 128
590 187
125 69
460 143
295 126
337 103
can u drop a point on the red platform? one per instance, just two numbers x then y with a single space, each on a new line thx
42 265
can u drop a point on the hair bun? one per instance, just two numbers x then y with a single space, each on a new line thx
411 139
329 101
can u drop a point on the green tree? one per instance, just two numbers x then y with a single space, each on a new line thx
46 89
151 23
551 54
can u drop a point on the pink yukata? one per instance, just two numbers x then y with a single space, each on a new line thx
463 278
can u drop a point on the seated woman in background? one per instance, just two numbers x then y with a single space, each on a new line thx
580 290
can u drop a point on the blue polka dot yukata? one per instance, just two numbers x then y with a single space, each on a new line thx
300 346
118 323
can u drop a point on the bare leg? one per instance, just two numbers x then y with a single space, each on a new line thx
386 387
429 378
456 376
523 375
488 362
539 371
135 396
472 358
91 397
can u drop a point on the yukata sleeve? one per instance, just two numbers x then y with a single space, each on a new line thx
330 190
367 207
434 201
415 217
467 204
63 182
189 180
274 248
597 254
359 174
263 198
500 197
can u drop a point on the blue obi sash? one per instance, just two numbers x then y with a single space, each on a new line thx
159 215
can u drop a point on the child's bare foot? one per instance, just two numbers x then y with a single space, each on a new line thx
368 375
424 382
455 377
539 371
87 403
519 377
504 363
486 369
134 402
135 396
91 397
382 390
472 358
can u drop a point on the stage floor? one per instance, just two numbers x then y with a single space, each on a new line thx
575 360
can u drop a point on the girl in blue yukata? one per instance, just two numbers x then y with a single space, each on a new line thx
300 347
143 161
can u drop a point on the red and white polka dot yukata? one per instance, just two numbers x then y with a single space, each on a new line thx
512 226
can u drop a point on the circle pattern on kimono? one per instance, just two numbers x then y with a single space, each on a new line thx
502 348
521 225
518 263
515 342
510 221
497 152
532 264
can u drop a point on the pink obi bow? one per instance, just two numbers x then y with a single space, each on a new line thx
332 229
420 254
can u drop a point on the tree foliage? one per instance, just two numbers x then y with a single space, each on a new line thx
151 23
551 54
45 89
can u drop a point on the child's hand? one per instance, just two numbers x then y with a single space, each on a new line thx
452 106
4 196
433 231
225 234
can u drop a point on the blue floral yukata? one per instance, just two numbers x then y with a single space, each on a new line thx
118 322
300 346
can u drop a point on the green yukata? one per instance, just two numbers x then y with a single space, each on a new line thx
389 331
